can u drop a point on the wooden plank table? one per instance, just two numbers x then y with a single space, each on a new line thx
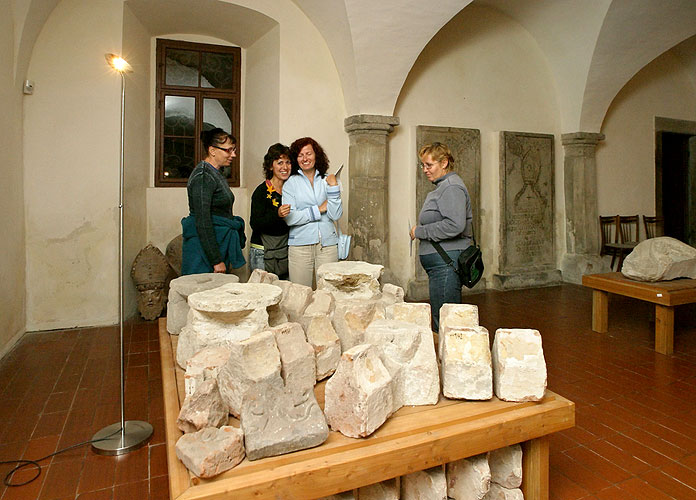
414 438
664 294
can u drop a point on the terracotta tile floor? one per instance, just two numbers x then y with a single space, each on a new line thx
635 436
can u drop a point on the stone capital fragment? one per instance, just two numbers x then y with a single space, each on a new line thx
179 290
506 466
468 479
658 259
429 484
467 371
204 408
454 317
295 300
410 312
261 276
519 368
322 337
392 294
281 420
211 451
321 304
204 365
358 397
298 367
349 279
351 318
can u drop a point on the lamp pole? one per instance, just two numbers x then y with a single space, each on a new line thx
124 436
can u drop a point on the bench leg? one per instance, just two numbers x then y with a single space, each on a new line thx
600 311
535 469
664 329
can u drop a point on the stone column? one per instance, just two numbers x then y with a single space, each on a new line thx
582 219
368 219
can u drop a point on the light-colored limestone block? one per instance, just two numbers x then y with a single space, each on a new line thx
204 408
348 279
498 492
454 317
506 466
281 420
179 290
358 397
429 484
410 312
408 352
468 479
204 365
351 318
392 294
385 490
519 369
295 300
298 367
252 361
321 303
261 276
467 371
327 348
658 259
211 451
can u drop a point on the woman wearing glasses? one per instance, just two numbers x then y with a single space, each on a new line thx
213 237
445 218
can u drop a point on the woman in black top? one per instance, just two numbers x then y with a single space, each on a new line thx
213 237
269 240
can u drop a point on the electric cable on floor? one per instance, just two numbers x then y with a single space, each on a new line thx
25 462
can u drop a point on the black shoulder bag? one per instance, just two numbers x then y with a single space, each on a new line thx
469 265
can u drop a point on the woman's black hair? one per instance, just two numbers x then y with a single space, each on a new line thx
215 137
321 162
274 153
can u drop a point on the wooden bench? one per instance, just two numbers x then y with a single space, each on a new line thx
414 438
664 294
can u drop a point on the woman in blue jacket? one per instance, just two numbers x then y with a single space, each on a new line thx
315 203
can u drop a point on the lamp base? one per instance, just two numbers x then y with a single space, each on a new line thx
114 441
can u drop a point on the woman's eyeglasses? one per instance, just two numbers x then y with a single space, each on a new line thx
229 151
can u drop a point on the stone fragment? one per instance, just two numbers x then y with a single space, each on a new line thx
407 351
506 466
179 290
211 451
409 312
351 318
392 294
261 276
467 371
204 408
519 369
385 490
429 484
349 279
298 367
454 317
498 492
468 479
204 365
295 300
225 315
658 259
251 362
358 397
327 348
280 420
149 272
321 304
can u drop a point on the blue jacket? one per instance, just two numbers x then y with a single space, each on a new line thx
307 225
229 234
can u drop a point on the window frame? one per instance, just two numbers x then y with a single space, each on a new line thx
199 93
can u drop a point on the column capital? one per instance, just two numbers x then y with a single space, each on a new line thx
581 138
370 124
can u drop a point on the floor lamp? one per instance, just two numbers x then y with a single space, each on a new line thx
124 436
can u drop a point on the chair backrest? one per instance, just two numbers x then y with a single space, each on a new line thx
608 226
628 228
654 226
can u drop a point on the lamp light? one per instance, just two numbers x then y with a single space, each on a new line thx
124 436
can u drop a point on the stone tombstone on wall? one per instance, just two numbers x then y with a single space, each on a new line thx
527 250
465 144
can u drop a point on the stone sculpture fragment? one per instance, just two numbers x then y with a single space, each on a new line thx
469 478
327 347
660 259
348 279
506 466
149 273
455 316
429 484
179 290
467 371
298 366
204 408
261 276
385 490
211 451
295 300
204 365
351 318
498 492
409 312
519 369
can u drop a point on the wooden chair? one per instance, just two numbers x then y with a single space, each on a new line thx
609 235
654 226
628 235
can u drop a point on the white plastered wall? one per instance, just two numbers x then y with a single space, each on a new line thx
626 158
481 71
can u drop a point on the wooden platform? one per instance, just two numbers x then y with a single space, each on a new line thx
414 438
664 294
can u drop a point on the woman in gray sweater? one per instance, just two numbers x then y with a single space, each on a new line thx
445 218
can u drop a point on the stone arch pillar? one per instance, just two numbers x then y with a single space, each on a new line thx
582 219
368 219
